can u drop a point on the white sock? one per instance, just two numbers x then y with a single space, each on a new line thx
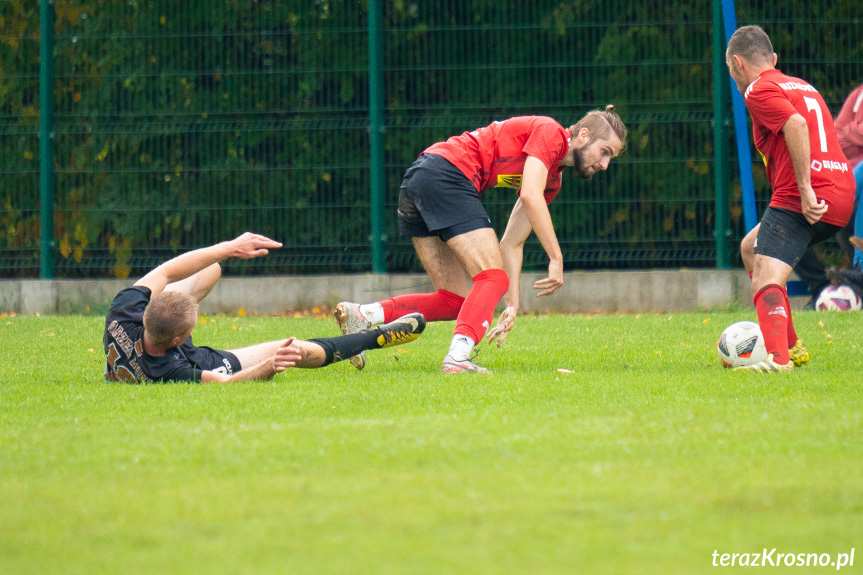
461 347
374 312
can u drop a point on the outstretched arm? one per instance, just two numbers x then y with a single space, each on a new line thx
246 246
512 249
532 188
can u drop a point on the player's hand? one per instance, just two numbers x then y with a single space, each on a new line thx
504 325
552 283
813 208
814 212
287 355
250 245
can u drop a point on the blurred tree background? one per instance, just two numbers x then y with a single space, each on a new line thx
179 124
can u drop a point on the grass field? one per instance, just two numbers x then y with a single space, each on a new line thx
646 459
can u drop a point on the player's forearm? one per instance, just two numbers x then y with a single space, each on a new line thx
797 139
512 250
513 256
535 207
540 220
190 263
260 372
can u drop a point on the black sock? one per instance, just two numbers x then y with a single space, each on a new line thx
346 346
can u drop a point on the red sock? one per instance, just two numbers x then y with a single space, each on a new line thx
792 333
439 306
477 311
773 317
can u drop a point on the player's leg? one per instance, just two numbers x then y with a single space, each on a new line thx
782 239
768 283
448 278
478 250
321 352
200 284
429 199
313 354
775 316
747 250
443 266
430 192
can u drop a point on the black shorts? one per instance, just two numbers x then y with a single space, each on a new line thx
436 199
785 235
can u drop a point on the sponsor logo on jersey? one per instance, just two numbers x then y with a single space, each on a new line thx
512 181
818 165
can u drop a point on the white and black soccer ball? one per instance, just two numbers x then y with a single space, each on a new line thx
741 343
838 298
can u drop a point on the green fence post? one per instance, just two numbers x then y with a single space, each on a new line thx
720 141
46 138
376 133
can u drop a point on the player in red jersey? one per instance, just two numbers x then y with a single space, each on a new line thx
813 188
440 209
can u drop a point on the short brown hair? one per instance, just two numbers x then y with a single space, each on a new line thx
170 314
601 124
752 44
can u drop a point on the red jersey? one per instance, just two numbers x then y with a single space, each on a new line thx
771 100
494 156
849 127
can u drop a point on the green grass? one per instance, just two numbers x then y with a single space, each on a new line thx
646 459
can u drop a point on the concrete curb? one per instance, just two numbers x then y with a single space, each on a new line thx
583 291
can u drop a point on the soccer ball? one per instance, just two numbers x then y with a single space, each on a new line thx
741 343
838 298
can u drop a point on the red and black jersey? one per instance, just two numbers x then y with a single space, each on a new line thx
494 156
771 100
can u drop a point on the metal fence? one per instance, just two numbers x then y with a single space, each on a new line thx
180 124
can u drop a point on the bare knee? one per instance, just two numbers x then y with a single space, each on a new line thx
747 250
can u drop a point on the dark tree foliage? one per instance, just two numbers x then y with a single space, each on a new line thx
179 124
